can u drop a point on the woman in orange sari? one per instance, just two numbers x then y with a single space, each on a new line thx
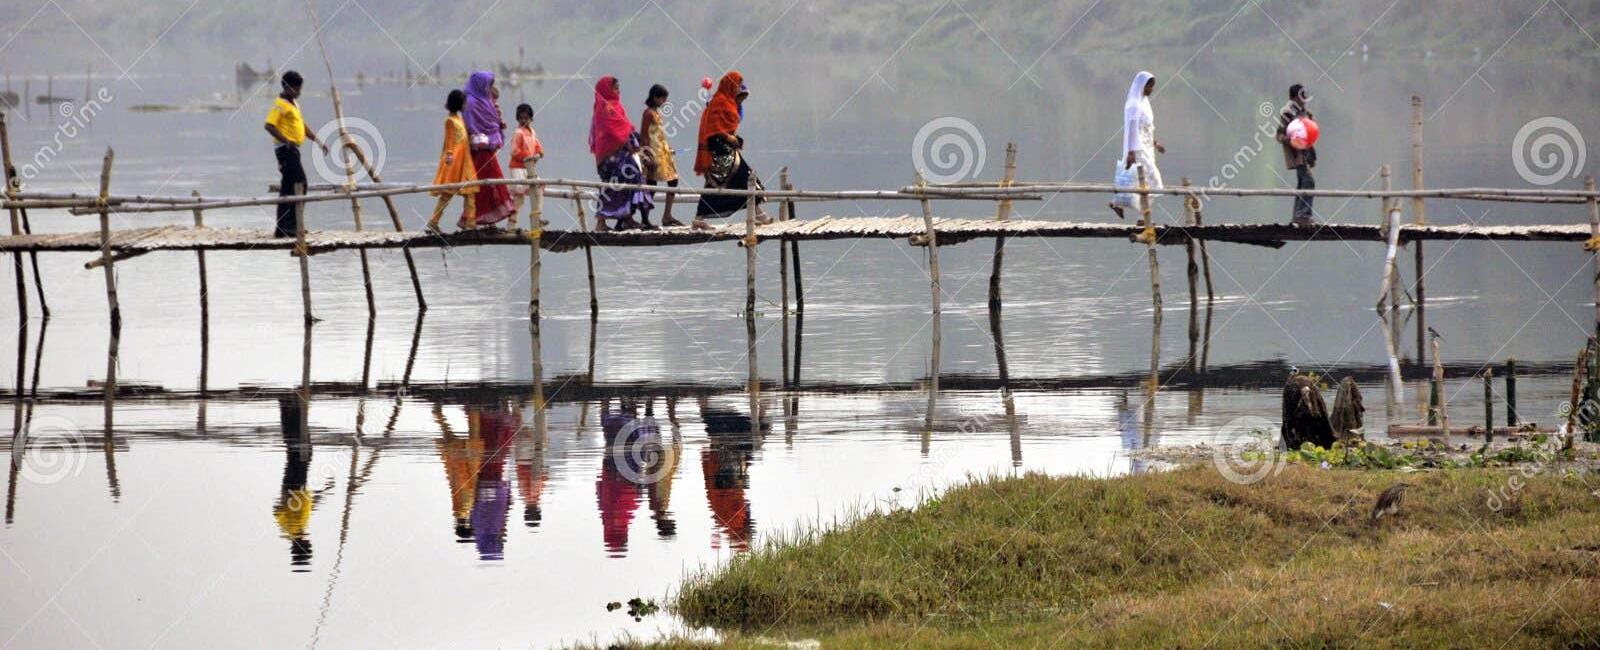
720 157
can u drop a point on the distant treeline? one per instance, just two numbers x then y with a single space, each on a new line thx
366 32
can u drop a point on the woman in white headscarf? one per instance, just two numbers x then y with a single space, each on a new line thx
1139 145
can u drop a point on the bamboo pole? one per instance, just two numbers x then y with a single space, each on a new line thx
932 235
1418 217
1511 392
345 142
1154 382
105 244
749 244
205 310
394 217
305 262
1441 409
1002 214
783 276
799 291
1488 406
535 309
12 185
588 262
1014 193
1192 271
1594 230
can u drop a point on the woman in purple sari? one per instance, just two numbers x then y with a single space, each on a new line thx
616 146
485 136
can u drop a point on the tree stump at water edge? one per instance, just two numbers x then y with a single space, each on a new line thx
1305 414
1348 412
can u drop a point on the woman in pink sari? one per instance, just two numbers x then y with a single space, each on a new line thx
485 136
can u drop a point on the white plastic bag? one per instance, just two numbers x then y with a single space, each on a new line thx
1126 177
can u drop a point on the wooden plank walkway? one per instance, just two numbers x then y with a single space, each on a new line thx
184 238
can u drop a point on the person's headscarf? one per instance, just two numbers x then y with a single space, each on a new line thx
610 128
482 115
1136 112
722 116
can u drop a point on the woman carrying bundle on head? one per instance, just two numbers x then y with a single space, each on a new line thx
720 158
616 147
485 136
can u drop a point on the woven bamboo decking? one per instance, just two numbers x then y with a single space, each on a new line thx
184 238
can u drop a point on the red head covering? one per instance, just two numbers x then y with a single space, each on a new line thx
611 127
721 117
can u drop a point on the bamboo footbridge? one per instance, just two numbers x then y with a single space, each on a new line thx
113 246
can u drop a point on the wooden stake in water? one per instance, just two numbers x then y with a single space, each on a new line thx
205 306
304 253
16 220
1145 201
1488 406
588 257
933 274
1511 393
799 291
783 275
1594 234
1193 272
1002 214
105 243
1418 217
355 205
535 310
750 207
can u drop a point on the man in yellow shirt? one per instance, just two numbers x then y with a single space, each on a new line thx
288 129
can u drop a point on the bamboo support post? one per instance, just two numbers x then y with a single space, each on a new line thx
1512 419
105 244
750 207
535 309
1154 381
1439 413
205 309
1488 406
1192 271
932 235
588 262
12 185
305 259
345 143
783 275
1418 217
799 293
1002 214
1574 403
1594 234
394 217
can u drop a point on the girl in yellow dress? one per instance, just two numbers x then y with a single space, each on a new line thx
455 164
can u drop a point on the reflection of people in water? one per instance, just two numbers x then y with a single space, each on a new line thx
462 459
532 474
663 469
617 492
725 463
295 499
1128 430
496 427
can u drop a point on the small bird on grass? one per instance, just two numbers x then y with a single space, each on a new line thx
1389 501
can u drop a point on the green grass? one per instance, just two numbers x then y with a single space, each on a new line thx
1183 558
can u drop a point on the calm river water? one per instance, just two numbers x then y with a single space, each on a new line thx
431 515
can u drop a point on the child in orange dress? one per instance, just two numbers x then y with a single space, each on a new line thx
455 164
526 151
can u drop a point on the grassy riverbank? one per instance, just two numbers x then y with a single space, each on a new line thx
1185 558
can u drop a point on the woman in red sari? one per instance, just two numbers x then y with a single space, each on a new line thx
485 136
